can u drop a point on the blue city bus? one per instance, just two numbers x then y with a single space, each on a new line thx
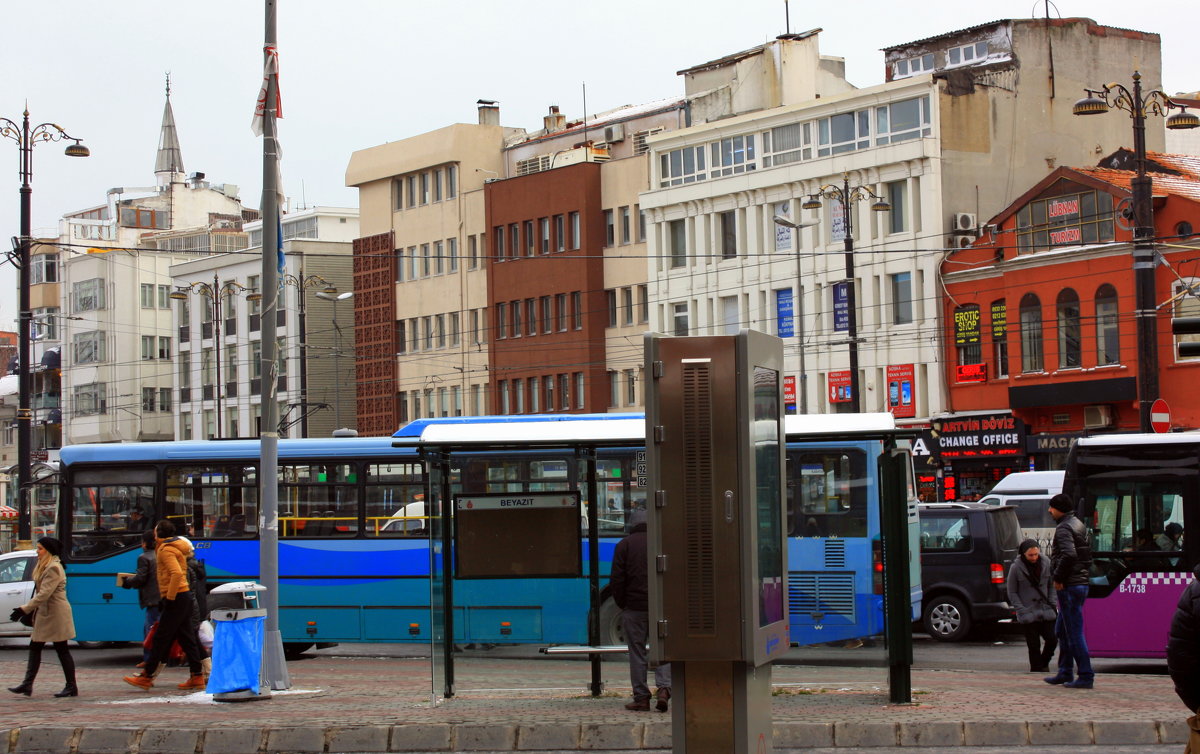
354 553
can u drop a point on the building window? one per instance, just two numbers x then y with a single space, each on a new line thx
514 327
164 297
728 234
535 394
451 181
901 121
641 225
147 296
530 239
732 155
610 233
164 399
680 313
579 394
626 231
452 253
424 188
147 347
547 315
514 240
560 238
627 305
966 54
1031 334
575 230
564 389
1000 336
549 392
88 295
90 347
1187 304
902 303
439 257
410 185
425 260
498 235
729 315
577 308
413 263
1066 220
681 166
913 66
43 268
643 302
440 321
611 295
1070 343
454 330
472 253
897 194
630 387
519 394
504 405
437 185
531 316
90 399
544 235
149 399
561 300
45 323
614 388
1108 335
678 241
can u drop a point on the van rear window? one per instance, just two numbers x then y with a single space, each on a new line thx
1008 531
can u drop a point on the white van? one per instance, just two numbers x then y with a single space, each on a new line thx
1030 492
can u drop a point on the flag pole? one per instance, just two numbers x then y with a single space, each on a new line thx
275 672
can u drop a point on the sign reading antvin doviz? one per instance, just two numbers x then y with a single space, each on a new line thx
978 435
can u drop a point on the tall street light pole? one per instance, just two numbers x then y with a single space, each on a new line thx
303 283
798 310
337 356
26 137
1138 104
215 293
845 196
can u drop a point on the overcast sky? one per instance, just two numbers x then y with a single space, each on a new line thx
356 73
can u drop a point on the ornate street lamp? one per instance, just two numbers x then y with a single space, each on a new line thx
1139 104
845 196
26 137
216 292
304 283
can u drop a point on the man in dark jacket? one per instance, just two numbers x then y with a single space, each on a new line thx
1183 645
1071 562
146 582
630 585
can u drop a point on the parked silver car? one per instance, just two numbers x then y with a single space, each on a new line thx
16 588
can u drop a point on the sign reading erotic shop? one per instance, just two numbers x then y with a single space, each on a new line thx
518 535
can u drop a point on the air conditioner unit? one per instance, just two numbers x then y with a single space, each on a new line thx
1097 417
961 241
964 222
614 133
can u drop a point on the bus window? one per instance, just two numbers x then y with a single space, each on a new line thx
104 520
827 493
212 501
318 500
395 497
1130 534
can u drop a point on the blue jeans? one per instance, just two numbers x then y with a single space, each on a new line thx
1073 652
151 619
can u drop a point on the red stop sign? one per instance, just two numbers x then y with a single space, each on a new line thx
1160 416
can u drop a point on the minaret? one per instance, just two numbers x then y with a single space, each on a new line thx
169 161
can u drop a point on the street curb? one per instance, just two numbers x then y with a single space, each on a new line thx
586 737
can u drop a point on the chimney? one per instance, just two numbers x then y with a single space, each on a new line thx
555 121
489 112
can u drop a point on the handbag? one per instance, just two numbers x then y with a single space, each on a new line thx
25 619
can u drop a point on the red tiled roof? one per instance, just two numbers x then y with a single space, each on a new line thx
1185 185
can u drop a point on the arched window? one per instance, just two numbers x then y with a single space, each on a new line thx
1187 304
1108 336
1070 344
1031 334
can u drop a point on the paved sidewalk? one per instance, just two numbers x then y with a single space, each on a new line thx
379 704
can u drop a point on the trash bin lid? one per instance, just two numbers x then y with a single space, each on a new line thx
239 586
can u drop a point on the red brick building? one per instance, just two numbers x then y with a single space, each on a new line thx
546 296
1040 311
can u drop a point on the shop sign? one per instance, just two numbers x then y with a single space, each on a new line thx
966 325
784 313
999 320
1051 443
971 373
789 391
839 386
900 378
841 307
983 436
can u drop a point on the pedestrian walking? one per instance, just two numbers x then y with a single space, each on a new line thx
145 580
1183 656
1070 561
1029 590
52 618
630 585
175 621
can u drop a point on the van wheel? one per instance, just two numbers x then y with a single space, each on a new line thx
946 618
293 650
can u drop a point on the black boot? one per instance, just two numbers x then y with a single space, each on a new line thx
68 666
31 670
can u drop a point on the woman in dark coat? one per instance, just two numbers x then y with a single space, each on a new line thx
1183 645
52 619
1030 593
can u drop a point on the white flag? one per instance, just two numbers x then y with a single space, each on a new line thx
270 68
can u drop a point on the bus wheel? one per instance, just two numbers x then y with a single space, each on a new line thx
293 650
946 618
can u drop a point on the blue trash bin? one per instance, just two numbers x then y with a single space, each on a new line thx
237 652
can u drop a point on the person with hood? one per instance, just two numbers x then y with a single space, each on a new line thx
1070 564
1029 593
629 581
145 580
175 620
1183 651
52 618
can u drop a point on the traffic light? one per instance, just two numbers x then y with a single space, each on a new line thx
1187 326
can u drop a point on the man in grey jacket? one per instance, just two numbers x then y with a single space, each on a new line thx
146 582
1071 563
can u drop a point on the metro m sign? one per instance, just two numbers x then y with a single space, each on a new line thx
971 373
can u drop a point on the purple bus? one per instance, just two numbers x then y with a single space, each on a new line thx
1140 495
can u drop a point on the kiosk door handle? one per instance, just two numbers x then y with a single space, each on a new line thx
729 506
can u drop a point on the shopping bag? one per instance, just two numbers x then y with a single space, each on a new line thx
237 655
148 642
